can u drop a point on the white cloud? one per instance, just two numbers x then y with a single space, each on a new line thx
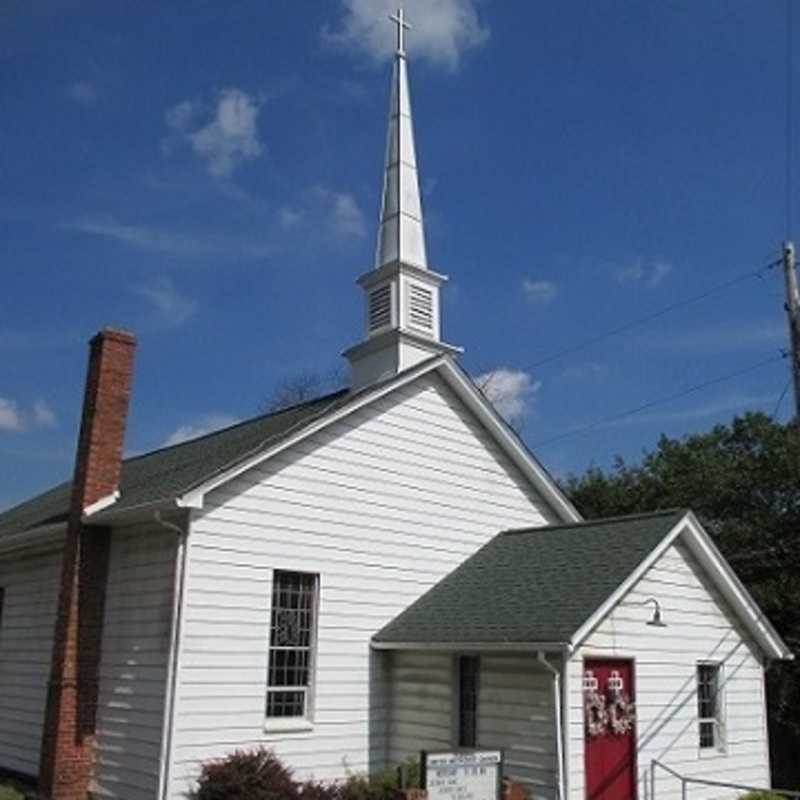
344 214
15 419
442 30
173 307
224 136
10 416
650 274
512 392
43 415
83 92
173 243
207 424
539 291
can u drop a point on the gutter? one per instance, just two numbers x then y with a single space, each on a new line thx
475 647
557 701
179 584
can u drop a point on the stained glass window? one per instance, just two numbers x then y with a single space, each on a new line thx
291 643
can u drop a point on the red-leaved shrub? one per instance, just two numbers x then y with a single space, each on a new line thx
247 775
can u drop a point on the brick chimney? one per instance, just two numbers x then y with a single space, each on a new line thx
69 723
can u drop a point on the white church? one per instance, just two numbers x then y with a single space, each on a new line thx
353 579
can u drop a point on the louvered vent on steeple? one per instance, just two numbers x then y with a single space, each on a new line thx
380 308
420 307
402 317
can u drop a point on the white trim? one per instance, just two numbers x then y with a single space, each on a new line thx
558 710
99 505
722 576
182 563
475 400
734 591
460 383
473 647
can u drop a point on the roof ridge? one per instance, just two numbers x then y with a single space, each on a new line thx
599 521
239 424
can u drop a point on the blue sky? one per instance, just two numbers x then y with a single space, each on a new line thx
208 175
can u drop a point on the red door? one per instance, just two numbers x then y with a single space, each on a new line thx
610 739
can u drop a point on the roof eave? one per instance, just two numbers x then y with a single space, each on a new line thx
721 574
481 647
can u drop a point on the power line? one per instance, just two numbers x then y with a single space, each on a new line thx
758 273
661 401
780 399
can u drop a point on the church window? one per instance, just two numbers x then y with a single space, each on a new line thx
291 643
709 705
420 307
468 671
380 307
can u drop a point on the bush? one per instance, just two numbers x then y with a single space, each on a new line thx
761 796
261 775
247 775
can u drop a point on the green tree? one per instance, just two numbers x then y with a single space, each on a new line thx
743 482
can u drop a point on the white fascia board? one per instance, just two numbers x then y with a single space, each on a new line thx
194 497
623 589
732 589
481 647
509 442
101 504
722 576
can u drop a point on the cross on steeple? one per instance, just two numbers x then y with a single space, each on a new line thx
402 26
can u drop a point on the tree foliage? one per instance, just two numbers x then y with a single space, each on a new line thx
743 482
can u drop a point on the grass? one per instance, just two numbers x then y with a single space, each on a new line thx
12 790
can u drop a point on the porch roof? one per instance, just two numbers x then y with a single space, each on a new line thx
531 586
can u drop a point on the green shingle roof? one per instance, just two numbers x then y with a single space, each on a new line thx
531 586
169 472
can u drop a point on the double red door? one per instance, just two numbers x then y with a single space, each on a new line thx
610 758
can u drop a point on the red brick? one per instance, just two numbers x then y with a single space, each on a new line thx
69 724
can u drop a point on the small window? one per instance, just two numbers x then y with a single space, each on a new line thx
709 705
420 307
468 673
380 307
291 643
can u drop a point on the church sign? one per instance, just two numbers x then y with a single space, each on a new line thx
462 775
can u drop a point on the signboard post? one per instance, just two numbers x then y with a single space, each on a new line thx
468 775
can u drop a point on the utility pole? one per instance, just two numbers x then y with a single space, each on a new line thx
793 314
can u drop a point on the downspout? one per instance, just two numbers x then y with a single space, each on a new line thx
179 582
542 659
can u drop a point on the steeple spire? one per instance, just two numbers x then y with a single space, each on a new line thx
402 318
401 236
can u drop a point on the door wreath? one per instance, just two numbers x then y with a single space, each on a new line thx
595 712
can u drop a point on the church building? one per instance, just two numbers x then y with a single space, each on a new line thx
355 578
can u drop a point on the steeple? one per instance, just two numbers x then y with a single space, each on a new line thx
401 236
402 314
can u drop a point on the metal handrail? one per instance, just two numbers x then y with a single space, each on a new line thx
686 780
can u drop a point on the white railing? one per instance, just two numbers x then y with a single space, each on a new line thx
687 781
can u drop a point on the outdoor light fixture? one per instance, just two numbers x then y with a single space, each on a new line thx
656 620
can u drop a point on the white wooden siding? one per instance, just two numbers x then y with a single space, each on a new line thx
515 713
26 645
136 638
699 627
382 505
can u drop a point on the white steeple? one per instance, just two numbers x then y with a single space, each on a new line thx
402 320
